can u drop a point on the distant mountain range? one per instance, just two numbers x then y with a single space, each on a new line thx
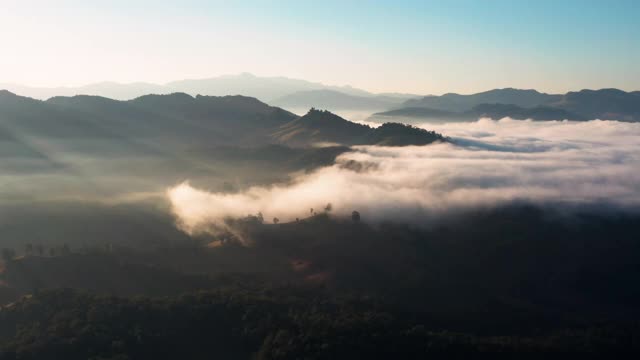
611 104
336 100
264 88
299 95
180 121
461 103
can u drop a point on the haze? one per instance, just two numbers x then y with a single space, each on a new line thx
421 47
274 180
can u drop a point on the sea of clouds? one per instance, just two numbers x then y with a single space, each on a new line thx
488 163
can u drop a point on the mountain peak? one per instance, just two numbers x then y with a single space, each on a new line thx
177 97
319 126
461 103
397 134
7 93
316 117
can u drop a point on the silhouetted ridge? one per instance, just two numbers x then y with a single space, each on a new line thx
84 101
179 118
4 93
602 104
324 118
612 104
236 103
461 103
169 100
7 98
396 134
319 126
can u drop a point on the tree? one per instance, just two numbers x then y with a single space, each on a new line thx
328 208
8 254
276 220
355 216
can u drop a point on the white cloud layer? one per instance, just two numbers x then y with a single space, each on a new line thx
491 163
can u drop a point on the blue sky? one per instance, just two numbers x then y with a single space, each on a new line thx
404 46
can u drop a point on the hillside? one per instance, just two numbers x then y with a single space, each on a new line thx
318 127
602 104
175 118
395 134
305 284
461 103
610 104
178 120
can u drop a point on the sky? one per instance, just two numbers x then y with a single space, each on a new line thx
421 47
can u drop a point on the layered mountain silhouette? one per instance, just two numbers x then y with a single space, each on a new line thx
317 127
263 88
173 119
610 104
181 121
461 103
295 94
602 104
332 99
320 127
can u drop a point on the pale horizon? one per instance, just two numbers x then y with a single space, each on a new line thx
166 83
419 47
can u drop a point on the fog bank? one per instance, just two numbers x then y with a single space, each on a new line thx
490 163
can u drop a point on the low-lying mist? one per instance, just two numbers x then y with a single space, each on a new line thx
489 163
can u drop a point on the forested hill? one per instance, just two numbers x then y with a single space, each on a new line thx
605 104
245 323
317 127
176 120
